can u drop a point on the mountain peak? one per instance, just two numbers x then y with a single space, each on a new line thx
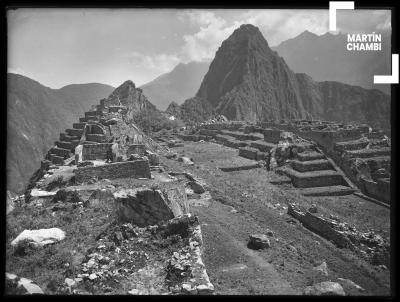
246 34
246 30
128 83
307 33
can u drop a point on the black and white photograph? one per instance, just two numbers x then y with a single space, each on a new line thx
200 150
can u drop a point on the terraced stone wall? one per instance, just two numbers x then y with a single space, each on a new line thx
135 169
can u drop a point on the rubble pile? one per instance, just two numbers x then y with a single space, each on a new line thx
168 251
368 245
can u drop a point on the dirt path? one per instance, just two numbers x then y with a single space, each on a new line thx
234 268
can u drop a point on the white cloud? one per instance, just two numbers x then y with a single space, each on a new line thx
203 44
276 25
159 63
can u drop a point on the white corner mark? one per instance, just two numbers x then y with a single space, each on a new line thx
335 5
390 79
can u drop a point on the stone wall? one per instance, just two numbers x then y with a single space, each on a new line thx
95 151
98 138
328 139
272 135
135 169
96 128
379 190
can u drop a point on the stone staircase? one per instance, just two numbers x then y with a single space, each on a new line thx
314 175
65 147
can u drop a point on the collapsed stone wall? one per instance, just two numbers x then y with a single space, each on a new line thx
368 245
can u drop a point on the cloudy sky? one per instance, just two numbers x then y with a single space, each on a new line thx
58 47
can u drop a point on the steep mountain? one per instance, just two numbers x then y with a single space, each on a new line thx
36 115
177 85
249 81
326 58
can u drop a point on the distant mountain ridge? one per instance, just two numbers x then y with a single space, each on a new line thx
247 80
36 115
177 85
326 58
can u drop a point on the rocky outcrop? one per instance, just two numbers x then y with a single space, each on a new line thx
249 81
174 109
129 96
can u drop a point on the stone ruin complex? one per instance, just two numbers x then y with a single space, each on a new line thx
322 158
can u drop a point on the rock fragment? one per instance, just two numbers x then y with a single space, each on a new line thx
326 288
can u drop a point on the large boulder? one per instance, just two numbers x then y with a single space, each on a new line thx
186 160
144 206
38 238
16 285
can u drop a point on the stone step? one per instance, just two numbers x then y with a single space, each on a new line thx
78 125
328 191
82 120
242 136
280 180
68 138
65 153
367 153
311 165
74 132
251 153
235 144
64 145
313 155
351 145
56 160
92 114
240 168
220 138
310 179
263 146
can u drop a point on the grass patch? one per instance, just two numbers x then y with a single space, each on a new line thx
50 265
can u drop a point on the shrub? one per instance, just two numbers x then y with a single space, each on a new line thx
56 183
